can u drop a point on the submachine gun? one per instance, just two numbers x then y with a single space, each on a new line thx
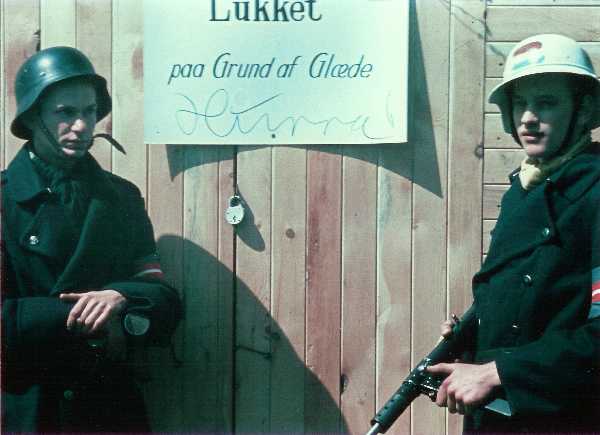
420 381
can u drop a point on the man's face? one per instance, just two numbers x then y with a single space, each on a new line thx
68 110
542 108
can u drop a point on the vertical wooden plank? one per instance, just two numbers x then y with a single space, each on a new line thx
465 156
165 205
394 247
253 293
206 375
227 281
430 201
359 259
323 297
465 149
288 289
21 22
163 393
94 38
58 23
201 409
127 84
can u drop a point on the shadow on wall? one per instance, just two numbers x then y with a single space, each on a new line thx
249 381
249 377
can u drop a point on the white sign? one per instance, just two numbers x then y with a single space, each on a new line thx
275 72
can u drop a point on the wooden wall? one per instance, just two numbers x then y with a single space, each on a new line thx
308 316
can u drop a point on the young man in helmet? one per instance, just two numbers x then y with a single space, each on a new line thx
536 340
80 273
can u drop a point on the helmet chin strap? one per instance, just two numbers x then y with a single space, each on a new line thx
44 129
570 135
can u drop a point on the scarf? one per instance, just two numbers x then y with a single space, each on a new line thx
534 171
70 186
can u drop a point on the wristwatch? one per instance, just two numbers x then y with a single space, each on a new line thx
136 324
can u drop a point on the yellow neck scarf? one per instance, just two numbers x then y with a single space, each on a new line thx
533 171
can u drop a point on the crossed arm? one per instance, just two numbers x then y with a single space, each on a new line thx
93 310
99 311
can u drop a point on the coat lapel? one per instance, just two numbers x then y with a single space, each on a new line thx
38 223
525 223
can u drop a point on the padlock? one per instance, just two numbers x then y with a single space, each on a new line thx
235 212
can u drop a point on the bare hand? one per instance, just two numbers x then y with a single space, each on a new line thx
467 386
446 328
92 310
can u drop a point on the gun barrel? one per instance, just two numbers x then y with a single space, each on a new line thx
396 405
410 389
374 430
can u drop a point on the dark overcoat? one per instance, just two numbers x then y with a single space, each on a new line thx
533 298
53 380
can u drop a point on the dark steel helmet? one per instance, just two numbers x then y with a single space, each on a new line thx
44 69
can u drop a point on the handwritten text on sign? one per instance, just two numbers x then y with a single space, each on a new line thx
275 72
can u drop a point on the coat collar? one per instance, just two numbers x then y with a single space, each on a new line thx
23 183
578 175
22 180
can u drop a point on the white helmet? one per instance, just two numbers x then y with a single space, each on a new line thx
541 54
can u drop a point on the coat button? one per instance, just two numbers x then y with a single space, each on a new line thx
68 394
527 279
545 232
34 240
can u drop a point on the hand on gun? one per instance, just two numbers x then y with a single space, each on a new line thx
466 386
